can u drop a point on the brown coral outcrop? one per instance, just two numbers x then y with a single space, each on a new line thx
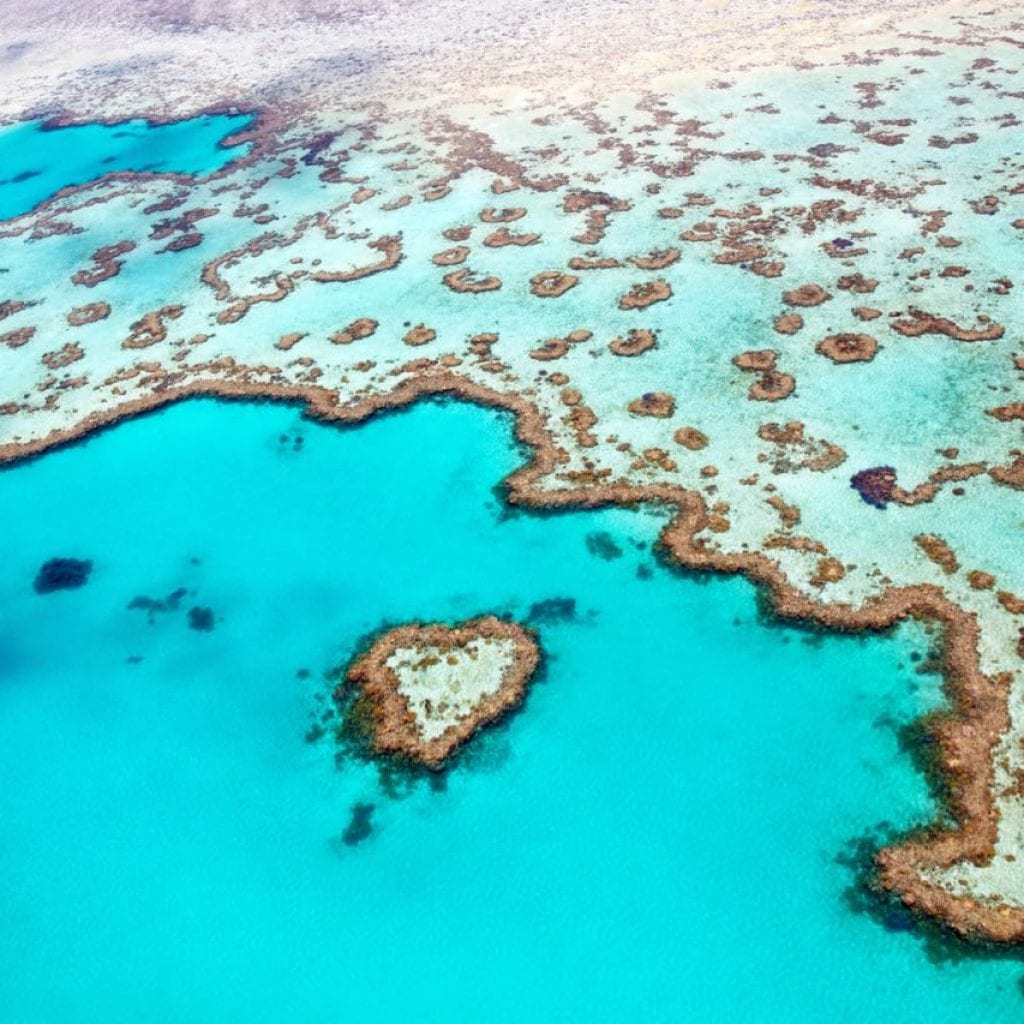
656 259
866 313
857 283
555 348
828 570
106 264
17 338
848 347
549 284
390 248
467 282
1006 413
636 342
691 438
151 328
394 727
917 322
788 323
653 403
640 296
491 215
450 257
979 580
8 307
938 551
88 314
361 328
502 237
288 341
419 335
64 356
756 360
806 295
593 263
1010 475
772 386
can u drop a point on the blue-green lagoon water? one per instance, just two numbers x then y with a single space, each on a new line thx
36 161
657 836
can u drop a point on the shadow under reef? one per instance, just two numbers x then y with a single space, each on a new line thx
941 946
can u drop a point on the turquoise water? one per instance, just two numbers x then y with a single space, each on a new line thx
36 162
654 837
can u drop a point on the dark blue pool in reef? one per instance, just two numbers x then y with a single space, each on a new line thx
37 161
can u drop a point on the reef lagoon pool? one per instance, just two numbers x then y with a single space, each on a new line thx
36 161
669 829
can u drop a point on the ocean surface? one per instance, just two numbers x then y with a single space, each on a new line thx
668 830
673 828
36 161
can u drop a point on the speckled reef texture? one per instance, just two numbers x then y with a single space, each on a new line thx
769 279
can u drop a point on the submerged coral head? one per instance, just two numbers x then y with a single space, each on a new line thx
875 485
62 574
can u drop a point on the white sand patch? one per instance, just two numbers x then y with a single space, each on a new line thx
124 57
443 687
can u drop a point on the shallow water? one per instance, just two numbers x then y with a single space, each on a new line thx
36 162
653 837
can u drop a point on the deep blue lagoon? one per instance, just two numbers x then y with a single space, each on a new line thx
661 834
36 161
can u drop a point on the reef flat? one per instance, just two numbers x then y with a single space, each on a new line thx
779 300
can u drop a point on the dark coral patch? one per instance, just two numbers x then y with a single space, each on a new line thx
359 826
200 619
62 574
552 609
153 605
602 545
875 485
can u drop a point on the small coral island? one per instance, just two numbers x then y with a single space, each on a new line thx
426 689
